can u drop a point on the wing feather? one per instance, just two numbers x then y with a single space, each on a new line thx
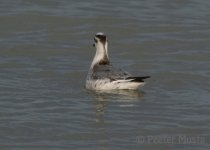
114 74
108 71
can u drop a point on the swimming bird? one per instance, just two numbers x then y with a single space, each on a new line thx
103 76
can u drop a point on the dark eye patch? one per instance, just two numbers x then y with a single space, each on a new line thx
95 40
102 38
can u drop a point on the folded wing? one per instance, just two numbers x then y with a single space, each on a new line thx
114 74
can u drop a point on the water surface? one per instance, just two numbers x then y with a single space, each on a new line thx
45 53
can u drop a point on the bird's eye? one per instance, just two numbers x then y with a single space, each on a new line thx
95 40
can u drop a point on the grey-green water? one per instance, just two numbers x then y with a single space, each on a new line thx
45 53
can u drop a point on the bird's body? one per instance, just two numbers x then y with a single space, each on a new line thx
103 76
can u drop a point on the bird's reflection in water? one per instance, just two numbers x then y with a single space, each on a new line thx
123 98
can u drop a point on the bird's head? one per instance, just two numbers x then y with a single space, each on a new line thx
100 41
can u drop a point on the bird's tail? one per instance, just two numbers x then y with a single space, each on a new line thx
137 79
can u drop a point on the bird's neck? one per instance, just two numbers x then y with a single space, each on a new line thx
101 56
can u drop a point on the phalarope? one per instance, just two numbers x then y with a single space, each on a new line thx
103 76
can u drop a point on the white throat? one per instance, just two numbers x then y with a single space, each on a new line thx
101 54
